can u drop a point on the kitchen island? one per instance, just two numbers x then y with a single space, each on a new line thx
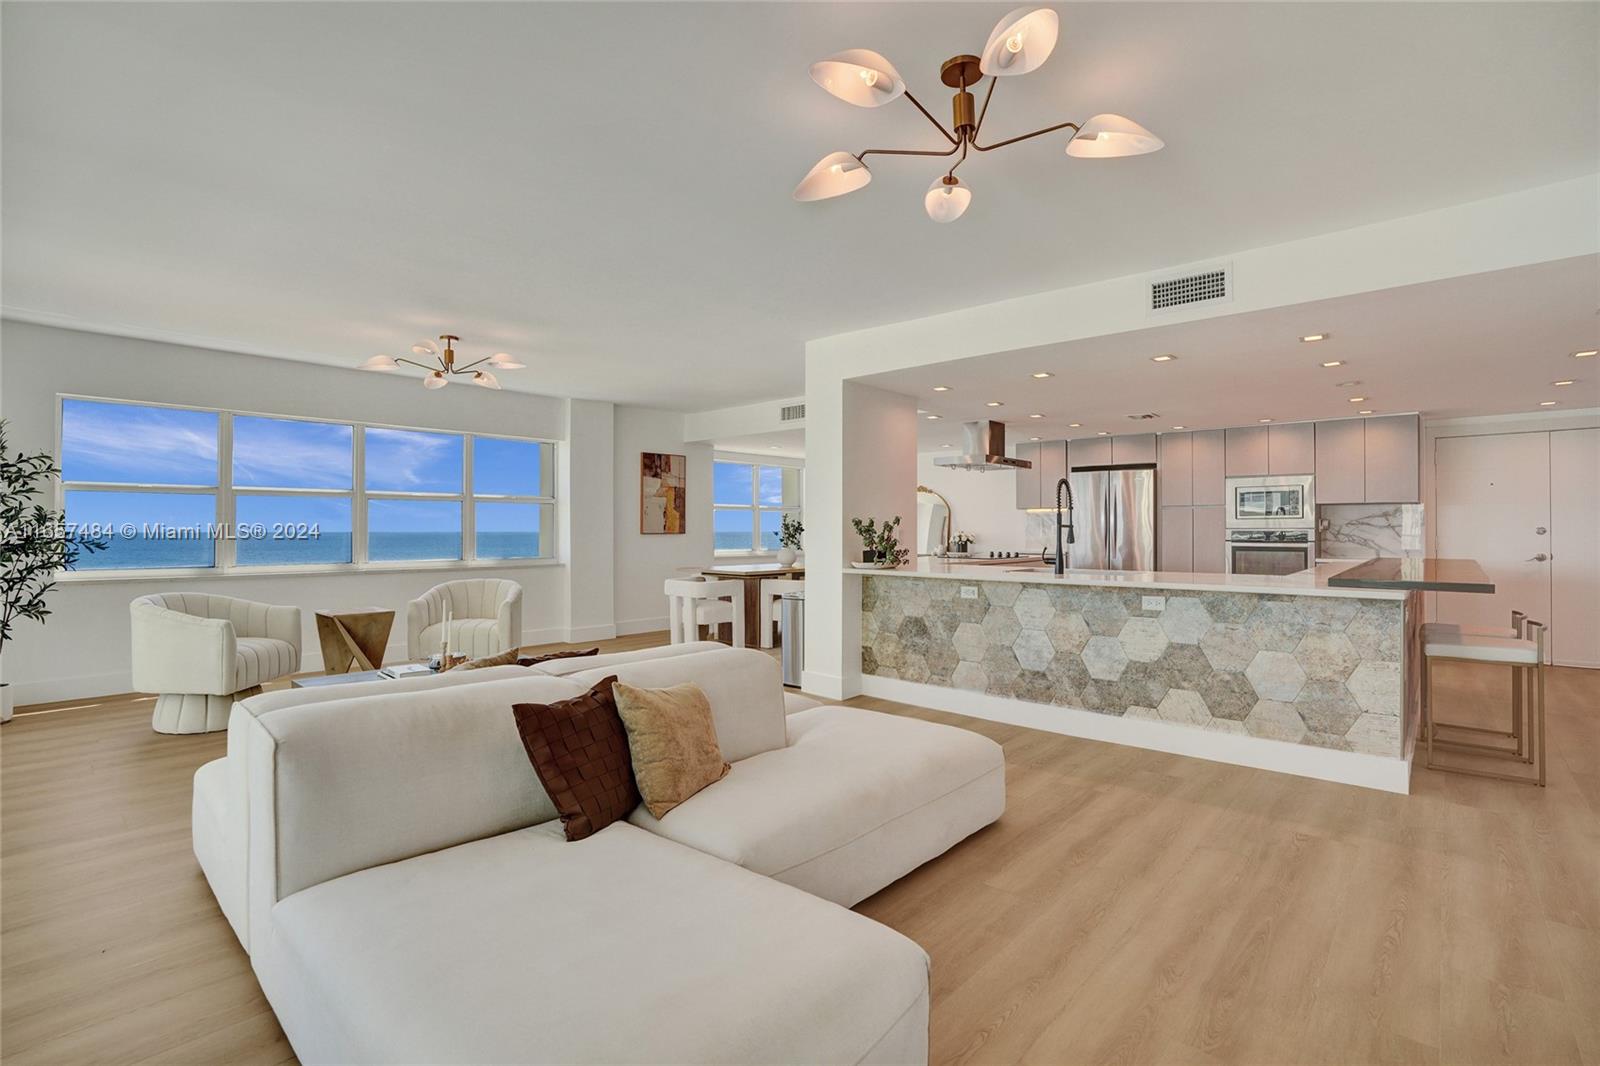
1287 673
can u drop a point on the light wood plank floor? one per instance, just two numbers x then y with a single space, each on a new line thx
1130 907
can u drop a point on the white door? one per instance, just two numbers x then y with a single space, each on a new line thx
1575 547
1492 504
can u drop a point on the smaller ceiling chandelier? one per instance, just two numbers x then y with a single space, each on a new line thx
444 365
1020 43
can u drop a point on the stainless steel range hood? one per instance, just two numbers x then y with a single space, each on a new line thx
983 449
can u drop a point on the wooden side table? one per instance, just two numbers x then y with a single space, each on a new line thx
353 640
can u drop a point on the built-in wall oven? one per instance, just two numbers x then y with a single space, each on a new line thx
1270 551
1271 524
1280 502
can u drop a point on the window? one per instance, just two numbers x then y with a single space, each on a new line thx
748 504
144 479
162 484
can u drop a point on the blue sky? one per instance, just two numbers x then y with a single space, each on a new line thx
731 483
130 444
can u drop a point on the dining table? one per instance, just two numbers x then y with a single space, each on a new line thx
751 575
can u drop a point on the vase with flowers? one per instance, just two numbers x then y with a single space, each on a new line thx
790 530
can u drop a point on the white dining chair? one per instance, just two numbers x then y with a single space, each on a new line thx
772 589
692 604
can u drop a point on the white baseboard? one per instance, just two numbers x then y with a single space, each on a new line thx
583 634
1302 760
628 627
828 686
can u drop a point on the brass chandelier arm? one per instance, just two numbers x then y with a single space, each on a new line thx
958 162
861 157
419 366
1026 136
468 366
937 125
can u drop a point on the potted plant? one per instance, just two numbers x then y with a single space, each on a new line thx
34 545
961 543
790 530
879 545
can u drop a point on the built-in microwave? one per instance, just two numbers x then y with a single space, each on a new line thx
1281 502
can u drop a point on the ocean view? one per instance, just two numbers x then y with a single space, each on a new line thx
125 553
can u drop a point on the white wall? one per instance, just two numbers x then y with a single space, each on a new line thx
644 561
984 504
601 568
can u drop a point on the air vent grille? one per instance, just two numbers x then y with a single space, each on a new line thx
1144 417
1190 289
794 412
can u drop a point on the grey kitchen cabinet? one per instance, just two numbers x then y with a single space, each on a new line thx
1341 461
1392 459
1092 451
1175 539
1028 480
1208 543
1175 471
1134 448
1292 448
1052 468
1246 451
1209 466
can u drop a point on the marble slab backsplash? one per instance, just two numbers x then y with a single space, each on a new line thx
1368 530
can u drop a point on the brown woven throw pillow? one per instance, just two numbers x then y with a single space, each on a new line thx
535 660
672 740
580 752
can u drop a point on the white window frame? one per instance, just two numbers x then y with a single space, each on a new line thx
226 512
755 506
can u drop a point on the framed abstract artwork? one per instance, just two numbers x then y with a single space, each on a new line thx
662 483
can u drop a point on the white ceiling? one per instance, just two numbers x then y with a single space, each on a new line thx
785 443
1478 345
605 187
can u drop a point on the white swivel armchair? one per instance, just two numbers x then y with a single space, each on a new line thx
202 652
485 618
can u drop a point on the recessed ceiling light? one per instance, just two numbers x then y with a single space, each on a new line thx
1547 403
1101 433
1347 384
941 388
933 418
1358 399
1074 425
1312 338
1035 438
1333 363
1043 374
1036 416
994 403
1587 353
1263 420
772 447
1180 427
1163 358
1364 412
946 446
920 411
1558 384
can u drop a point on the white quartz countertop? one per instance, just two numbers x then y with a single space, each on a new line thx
1313 582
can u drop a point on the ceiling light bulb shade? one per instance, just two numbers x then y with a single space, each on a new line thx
859 76
381 363
424 348
505 361
1112 136
485 379
1021 42
834 175
946 203
435 380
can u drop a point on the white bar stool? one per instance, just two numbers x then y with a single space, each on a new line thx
1443 632
773 588
1525 655
692 604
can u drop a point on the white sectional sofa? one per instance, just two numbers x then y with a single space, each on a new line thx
406 892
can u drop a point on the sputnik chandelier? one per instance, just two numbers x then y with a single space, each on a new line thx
444 368
1020 44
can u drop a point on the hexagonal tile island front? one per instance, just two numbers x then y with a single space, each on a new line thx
1321 671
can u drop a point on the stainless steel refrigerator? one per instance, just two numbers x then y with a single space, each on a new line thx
1114 518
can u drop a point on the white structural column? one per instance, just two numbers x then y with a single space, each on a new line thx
585 491
861 461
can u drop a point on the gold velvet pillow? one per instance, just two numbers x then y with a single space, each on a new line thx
672 741
505 658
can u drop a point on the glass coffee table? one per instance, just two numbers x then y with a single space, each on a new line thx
385 674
